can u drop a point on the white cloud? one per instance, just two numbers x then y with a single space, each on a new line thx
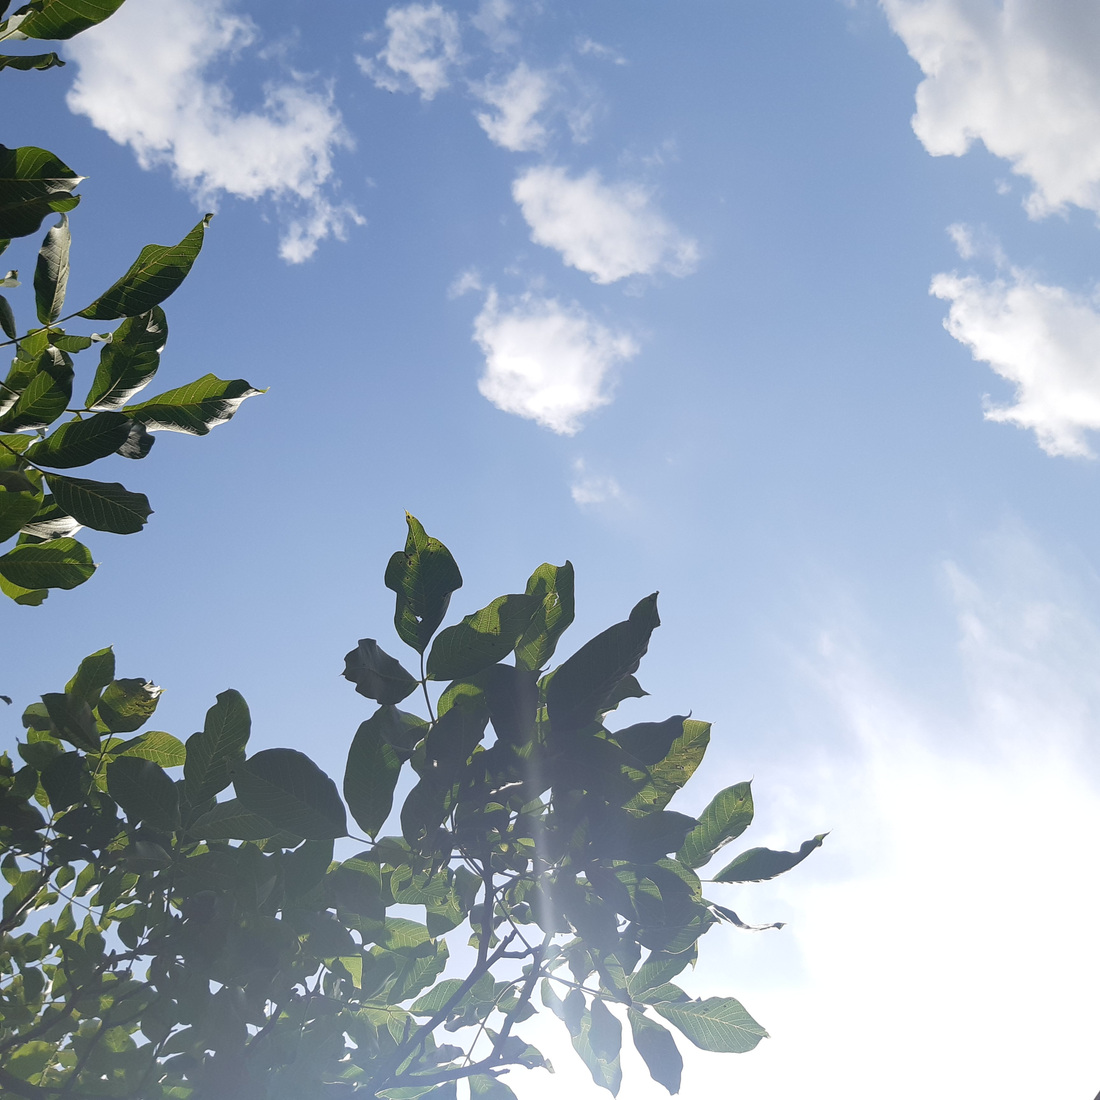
517 100
589 47
493 18
546 361
589 490
424 44
1044 340
143 80
464 282
1019 76
608 231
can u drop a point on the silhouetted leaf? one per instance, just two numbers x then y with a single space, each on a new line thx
761 864
213 754
230 820
80 442
46 394
30 61
144 790
552 585
377 675
423 576
129 361
33 184
481 639
287 788
658 1050
381 744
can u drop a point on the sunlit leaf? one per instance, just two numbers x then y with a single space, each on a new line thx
717 1023
51 273
761 864
33 184
726 818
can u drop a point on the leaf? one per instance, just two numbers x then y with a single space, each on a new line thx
380 745
65 780
80 442
30 597
30 61
94 673
670 775
761 864
377 675
138 443
651 742
597 1038
657 971
46 394
20 500
718 1023
7 319
65 18
481 639
229 820
726 818
579 687
423 577
102 505
33 184
144 790
127 364
71 719
61 563
484 1087
553 586
51 521
126 705
213 754
658 1050
153 276
195 408
730 916
51 273
287 788
156 745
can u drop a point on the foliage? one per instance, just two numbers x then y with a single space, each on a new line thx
196 938
40 507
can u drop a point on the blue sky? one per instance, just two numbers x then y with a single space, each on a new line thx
786 309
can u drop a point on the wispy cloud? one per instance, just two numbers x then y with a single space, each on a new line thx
547 361
423 45
1021 77
144 79
1043 339
608 231
590 489
516 100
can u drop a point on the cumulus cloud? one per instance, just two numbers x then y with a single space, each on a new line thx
1044 340
517 101
423 45
547 361
608 231
589 490
143 79
1018 75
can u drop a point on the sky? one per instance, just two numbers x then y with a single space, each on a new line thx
788 309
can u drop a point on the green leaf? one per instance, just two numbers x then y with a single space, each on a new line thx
287 788
30 597
65 18
138 443
71 719
651 742
552 585
30 61
658 1050
484 1087
102 505
45 396
657 971
80 442
597 1038
144 790
377 675
153 276
33 184
726 818
579 687
61 563
95 672
761 864
377 751
7 319
229 820
481 639
195 408
213 754
126 705
718 1023
156 745
51 273
51 521
670 775
20 500
423 577
127 364
65 780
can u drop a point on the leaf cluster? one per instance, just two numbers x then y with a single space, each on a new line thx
200 939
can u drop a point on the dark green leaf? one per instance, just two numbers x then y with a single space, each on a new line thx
61 563
71 719
20 500
31 597
423 577
669 776
46 394
484 1087
658 1050
377 675
138 443
79 442
126 705
213 754
65 18
33 184
229 820
129 361
726 818
30 61
597 1038
380 745
95 672
552 585
144 790
7 319
731 917
287 788
51 521
718 1023
481 639
761 864
153 276
578 689
65 780
195 408
102 505
51 273
651 742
